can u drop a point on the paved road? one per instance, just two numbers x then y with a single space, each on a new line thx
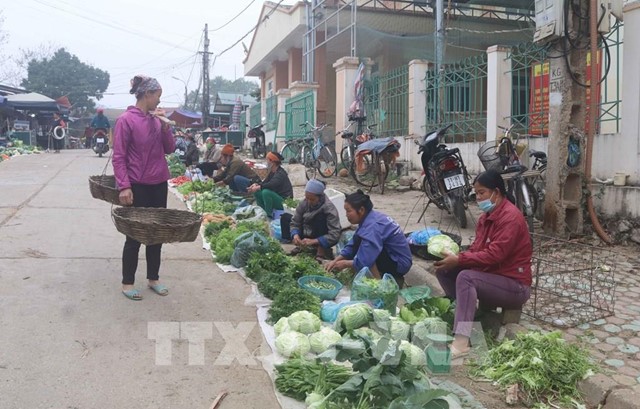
70 339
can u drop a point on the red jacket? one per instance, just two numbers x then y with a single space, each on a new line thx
502 244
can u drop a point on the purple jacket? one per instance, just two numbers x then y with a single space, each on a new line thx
139 146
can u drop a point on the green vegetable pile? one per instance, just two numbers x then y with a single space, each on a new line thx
291 202
546 367
298 377
384 293
436 307
290 300
176 168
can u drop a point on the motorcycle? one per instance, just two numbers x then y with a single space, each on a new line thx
101 141
258 146
446 180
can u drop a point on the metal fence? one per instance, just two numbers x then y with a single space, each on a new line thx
298 110
529 88
271 112
458 96
387 102
255 114
610 116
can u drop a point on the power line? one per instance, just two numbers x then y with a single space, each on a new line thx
250 31
112 26
236 16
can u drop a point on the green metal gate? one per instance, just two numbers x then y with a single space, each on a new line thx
387 102
255 112
458 96
298 110
529 89
272 112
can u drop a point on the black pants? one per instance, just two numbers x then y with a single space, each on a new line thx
143 196
207 168
318 227
57 143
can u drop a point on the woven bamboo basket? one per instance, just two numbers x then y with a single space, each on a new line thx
103 187
156 225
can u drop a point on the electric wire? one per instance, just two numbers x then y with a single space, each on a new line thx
236 16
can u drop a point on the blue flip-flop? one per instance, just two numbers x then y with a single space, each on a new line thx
159 289
132 294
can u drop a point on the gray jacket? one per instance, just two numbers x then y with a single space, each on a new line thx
302 222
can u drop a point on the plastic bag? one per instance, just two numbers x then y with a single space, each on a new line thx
330 309
381 293
250 213
246 244
345 237
421 237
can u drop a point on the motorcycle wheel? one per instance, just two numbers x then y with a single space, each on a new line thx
100 154
459 212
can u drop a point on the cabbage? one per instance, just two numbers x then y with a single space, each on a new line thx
365 332
292 343
304 322
313 398
399 329
352 317
321 341
282 326
415 355
381 321
442 245
426 327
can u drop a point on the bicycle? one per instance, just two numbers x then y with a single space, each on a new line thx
372 165
348 152
517 176
311 152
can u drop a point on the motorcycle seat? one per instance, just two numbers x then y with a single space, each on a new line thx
537 154
347 135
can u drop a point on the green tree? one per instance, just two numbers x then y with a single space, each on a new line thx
221 84
63 74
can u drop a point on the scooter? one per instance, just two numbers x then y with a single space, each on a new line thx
446 180
101 142
258 146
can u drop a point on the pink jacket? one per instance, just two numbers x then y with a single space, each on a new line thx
502 244
139 146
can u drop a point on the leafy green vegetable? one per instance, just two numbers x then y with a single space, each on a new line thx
213 228
412 316
422 330
292 343
304 266
545 366
353 316
441 245
441 307
222 244
270 262
281 326
321 341
271 284
382 293
290 300
416 356
304 322
298 377
291 202
399 329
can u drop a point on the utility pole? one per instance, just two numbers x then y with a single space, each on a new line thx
440 41
205 79
185 90
563 206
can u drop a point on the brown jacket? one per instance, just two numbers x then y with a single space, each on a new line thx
236 167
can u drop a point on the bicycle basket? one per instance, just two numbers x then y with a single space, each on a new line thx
489 157
328 136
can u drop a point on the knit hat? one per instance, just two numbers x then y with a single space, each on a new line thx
227 149
315 187
274 157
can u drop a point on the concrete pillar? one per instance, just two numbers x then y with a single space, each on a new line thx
282 95
417 98
629 145
499 91
346 69
563 207
295 65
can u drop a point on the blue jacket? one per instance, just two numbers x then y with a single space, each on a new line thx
378 231
100 121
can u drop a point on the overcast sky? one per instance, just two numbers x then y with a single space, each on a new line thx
159 38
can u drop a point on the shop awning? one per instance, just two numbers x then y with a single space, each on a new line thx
32 101
185 118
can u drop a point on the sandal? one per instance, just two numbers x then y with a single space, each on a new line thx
456 355
159 289
132 294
